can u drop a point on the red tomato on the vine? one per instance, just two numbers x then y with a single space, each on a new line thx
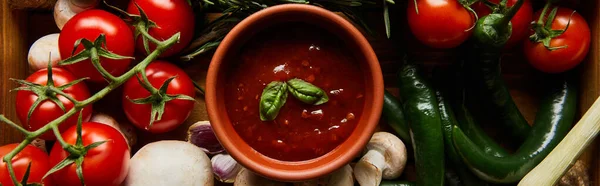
90 24
30 154
176 111
47 110
440 23
520 22
576 39
105 165
170 16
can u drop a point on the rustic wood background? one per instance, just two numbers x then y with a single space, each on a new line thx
20 27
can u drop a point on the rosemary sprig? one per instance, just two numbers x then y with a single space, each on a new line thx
234 11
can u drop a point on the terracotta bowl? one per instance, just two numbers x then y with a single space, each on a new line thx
299 170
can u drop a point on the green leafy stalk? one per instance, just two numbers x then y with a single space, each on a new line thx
234 11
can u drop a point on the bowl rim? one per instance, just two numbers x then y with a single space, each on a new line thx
219 123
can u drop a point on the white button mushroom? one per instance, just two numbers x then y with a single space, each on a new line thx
126 129
170 163
341 177
248 178
385 158
42 49
66 9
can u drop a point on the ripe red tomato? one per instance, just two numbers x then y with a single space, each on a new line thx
47 110
170 16
520 22
105 165
576 39
176 111
30 154
89 25
440 23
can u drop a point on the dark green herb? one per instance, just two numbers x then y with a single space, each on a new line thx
272 99
234 11
306 92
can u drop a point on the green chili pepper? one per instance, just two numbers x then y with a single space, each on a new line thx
553 121
455 161
393 114
420 106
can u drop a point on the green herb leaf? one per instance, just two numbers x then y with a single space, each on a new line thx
306 92
273 98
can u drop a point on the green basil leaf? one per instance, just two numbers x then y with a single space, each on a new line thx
273 98
306 92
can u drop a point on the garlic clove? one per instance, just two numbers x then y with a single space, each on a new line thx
42 50
202 135
225 167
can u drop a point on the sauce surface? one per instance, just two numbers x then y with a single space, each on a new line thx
301 131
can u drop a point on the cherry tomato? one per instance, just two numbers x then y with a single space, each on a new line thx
176 111
47 110
576 39
520 22
30 154
439 23
105 165
90 24
170 16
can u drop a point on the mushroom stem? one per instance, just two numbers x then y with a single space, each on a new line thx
385 159
369 170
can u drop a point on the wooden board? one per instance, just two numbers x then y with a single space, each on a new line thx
17 34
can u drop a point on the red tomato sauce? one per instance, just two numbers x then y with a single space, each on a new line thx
300 131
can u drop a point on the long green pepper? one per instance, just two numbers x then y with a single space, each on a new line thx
420 106
553 121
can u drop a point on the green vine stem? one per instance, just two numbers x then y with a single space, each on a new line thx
79 105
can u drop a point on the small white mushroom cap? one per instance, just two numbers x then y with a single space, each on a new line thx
340 177
66 9
170 162
42 50
126 129
385 158
248 178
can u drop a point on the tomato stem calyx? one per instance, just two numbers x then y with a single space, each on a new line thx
158 98
543 32
76 152
46 92
93 51
141 23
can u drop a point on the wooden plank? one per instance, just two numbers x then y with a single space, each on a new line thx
13 53
32 4
590 83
